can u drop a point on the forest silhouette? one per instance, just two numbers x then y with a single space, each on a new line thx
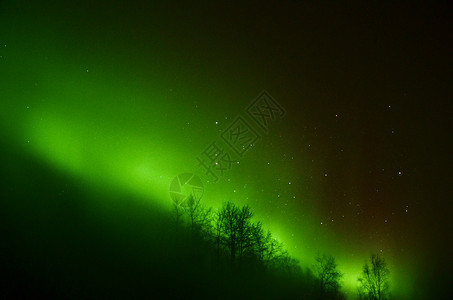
242 245
65 239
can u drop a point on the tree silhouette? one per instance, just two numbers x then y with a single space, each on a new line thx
229 215
178 212
237 234
259 241
287 264
374 282
273 251
328 275
245 232
218 231
239 242
199 216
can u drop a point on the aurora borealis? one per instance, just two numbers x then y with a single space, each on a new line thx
127 95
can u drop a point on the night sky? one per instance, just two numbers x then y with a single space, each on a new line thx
129 94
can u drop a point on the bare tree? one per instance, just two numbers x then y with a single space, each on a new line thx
229 215
327 274
285 263
235 230
273 251
199 216
178 213
259 241
244 231
218 230
374 282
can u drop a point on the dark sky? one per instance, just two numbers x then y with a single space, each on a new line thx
360 163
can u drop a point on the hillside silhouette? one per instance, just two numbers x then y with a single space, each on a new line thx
64 239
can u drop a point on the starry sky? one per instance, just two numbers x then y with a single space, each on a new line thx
131 94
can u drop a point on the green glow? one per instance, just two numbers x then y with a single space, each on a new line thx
99 136
136 127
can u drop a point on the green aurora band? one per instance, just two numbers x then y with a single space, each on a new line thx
137 127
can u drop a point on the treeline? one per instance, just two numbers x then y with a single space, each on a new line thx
240 243
235 236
